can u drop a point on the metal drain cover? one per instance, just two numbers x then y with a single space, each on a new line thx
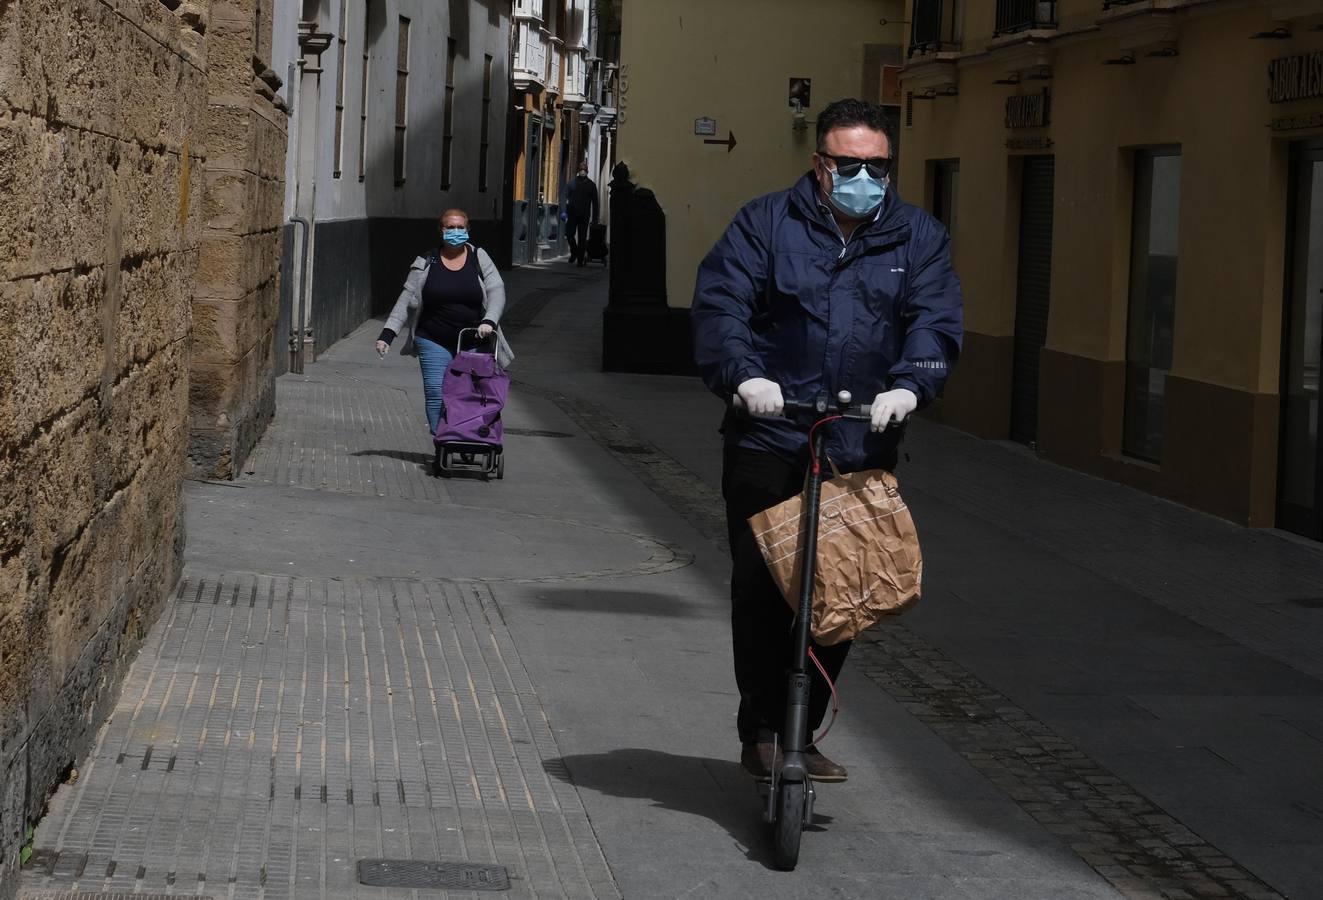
412 873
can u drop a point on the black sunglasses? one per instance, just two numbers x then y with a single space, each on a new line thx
848 166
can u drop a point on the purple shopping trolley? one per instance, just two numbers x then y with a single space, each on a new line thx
468 439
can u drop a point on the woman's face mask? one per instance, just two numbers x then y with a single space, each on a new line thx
455 237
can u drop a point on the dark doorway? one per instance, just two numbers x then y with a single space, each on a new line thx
1300 468
1033 292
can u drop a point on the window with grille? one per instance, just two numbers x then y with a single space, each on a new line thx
401 98
341 40
485 131
363 109
448 116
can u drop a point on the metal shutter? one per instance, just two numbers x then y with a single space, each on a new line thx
1033 292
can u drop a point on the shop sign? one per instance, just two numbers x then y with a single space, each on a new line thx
1297 77
1292 123
1031 143
1028 110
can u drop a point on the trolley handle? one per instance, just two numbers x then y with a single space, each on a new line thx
489 339
843 407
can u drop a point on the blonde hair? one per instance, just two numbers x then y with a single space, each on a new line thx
455 211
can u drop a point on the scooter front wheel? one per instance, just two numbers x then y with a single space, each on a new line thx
789 825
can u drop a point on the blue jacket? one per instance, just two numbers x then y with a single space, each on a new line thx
782 297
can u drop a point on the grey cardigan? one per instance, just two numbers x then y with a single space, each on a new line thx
493 302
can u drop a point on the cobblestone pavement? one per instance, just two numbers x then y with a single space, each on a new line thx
278 730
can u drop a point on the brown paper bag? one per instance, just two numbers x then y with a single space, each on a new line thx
868 562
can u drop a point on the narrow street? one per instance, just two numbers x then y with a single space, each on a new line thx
1101 694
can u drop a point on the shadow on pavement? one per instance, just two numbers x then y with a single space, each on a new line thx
716 789
630 603
409 456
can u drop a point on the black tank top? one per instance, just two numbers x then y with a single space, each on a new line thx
451 301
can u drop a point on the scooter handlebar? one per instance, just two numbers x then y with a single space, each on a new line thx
860 412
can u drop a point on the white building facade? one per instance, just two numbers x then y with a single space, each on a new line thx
398 112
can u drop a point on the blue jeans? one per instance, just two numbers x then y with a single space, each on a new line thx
434 360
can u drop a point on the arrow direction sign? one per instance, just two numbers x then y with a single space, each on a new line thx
729 142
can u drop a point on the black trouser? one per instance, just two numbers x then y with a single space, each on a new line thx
761 620
576 231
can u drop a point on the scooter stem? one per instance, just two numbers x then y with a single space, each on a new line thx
797 687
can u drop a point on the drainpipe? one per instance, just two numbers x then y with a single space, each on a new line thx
297 313
312 43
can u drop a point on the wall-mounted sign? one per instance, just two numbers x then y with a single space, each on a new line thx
704 125
801 89
1297 77
1033 143
622 89
729 141
1292 123
1028 110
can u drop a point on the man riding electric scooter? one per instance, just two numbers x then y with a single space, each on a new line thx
833 285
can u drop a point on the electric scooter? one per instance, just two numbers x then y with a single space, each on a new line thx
788 796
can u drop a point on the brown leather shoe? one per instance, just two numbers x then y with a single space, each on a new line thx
759 758
820 768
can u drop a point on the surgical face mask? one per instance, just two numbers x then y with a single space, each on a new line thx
858 196
455 237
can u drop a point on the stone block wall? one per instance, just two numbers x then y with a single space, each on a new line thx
114 224
101 112
237 298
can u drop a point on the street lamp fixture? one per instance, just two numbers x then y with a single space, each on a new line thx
798 121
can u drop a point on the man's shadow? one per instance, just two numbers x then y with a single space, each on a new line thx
716 789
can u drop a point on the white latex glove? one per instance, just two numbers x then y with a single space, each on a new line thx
761 397
893 407
382 349
484 330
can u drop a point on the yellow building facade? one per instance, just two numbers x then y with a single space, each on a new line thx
705 113
1135 196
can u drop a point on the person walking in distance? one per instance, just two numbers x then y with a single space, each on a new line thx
581 211
835 284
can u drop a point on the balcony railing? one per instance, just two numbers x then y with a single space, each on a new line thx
1022 15
926 29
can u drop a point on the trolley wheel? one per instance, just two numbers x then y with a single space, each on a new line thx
500 465
789 825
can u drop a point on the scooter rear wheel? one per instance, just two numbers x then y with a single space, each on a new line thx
789 825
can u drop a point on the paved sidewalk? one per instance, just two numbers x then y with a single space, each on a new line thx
1101 694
